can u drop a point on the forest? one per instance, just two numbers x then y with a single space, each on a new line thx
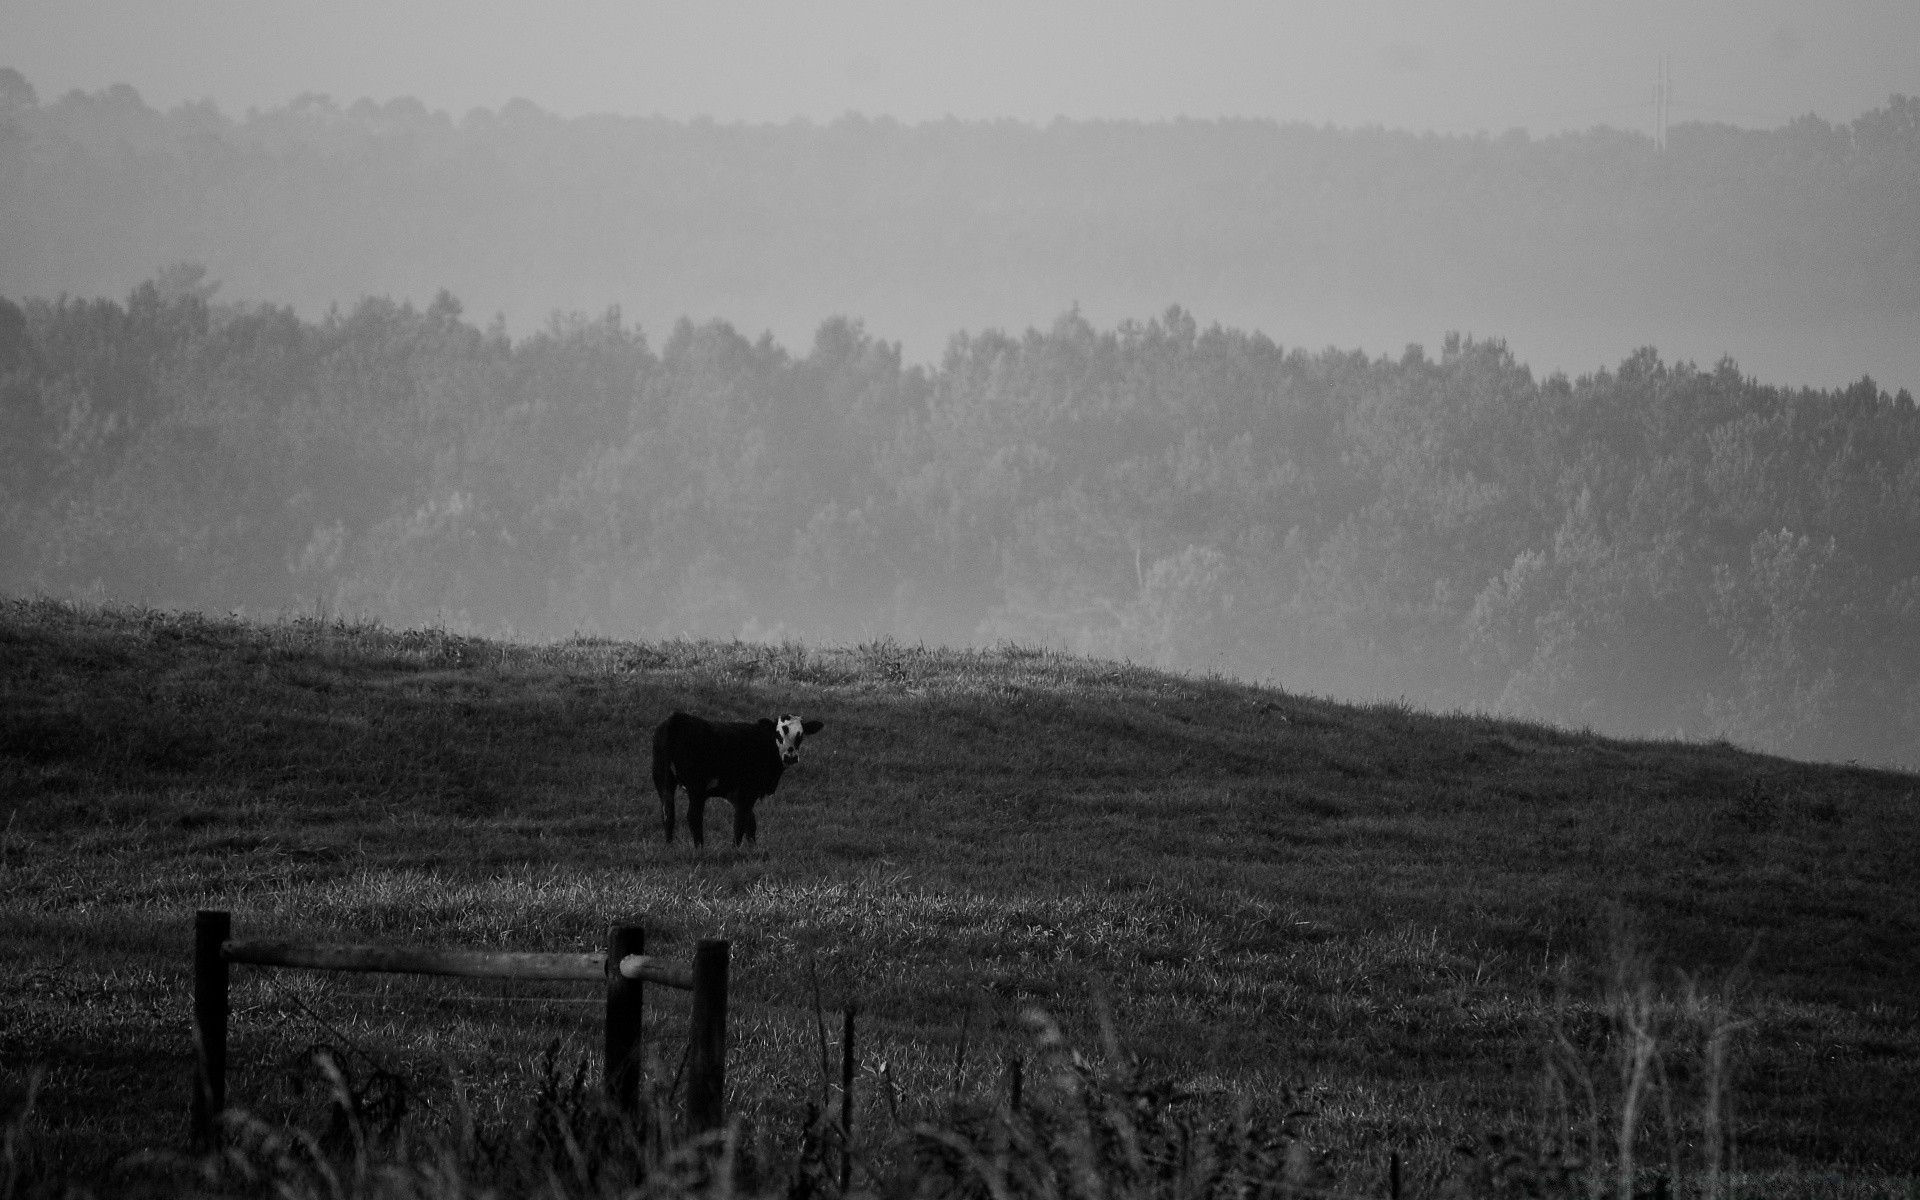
1795 249
1655 548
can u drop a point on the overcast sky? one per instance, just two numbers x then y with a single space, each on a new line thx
1460 66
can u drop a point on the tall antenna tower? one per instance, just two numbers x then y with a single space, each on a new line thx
1662 102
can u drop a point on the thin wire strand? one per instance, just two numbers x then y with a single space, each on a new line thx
356 1047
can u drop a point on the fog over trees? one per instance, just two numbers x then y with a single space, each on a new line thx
1796 249
1655 547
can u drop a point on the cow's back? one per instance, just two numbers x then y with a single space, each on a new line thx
736 759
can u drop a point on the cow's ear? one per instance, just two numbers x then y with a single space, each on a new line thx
766 723
811 727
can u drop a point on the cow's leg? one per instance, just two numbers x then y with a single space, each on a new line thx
665 784
666 791
745 827
697 817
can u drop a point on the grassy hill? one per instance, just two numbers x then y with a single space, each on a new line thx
1417 930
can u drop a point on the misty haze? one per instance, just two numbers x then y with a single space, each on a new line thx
1654 546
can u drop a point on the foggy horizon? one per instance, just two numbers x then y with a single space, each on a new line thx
756 286
1062 306
1480 68
1476 66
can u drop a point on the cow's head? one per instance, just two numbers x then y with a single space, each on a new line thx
788 732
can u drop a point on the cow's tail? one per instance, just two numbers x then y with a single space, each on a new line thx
664 781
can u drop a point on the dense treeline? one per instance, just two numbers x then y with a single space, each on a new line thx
1796 248
1656 548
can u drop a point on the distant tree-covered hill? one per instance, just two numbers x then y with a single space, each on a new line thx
1795 249
1654 548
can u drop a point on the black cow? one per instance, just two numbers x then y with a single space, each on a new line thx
739 761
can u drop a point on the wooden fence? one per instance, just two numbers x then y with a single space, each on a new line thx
623 969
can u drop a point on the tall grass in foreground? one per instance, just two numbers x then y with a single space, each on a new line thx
1636 1095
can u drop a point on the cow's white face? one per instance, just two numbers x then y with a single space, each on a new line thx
788 732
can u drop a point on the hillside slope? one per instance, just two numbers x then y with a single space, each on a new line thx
1384 910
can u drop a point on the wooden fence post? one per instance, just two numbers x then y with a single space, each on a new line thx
707 1038
624 1007
210 930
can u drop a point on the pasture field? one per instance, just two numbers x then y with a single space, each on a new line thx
1417 933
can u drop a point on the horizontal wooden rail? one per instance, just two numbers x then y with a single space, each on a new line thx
621 970
470 964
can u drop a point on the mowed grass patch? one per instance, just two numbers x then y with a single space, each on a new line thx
1385 913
